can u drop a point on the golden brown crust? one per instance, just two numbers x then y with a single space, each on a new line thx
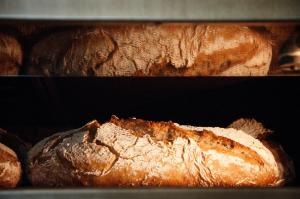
153 50
168 132
10 55
142 153
10 167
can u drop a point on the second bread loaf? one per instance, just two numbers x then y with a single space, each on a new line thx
153 50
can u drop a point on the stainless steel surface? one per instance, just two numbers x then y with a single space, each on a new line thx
284 193
173 10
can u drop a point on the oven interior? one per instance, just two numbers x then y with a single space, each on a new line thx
34 107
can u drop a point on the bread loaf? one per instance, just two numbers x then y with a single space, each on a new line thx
12 152
136 153
10 167
20 149
153 50
10 55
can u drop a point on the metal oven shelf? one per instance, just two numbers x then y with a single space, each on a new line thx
286 193
151 10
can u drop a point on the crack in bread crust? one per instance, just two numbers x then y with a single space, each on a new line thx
168 132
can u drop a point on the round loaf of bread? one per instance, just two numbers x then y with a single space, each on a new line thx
135 153
166 49
10 167
11 55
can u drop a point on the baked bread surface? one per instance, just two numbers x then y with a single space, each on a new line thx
167 49
10 167
136 153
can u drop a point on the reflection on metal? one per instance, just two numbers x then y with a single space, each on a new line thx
173 10
289 59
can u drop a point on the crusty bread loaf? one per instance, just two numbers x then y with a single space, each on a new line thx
10 55
10 167
134 152
12 152
20 149
153 50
